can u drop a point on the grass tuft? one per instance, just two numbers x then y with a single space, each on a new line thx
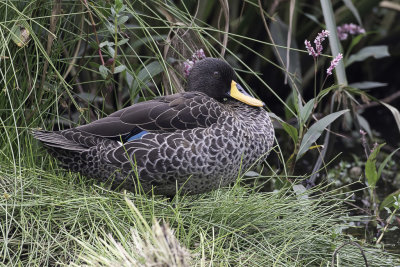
49 218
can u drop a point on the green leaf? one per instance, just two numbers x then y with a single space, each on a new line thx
118 5
326 91
119 69
370 167
103 71
145 74
354 42
292 131
383 164
291 104
316 130
305 111
367 85
377 51
123 41
312 17
389 200
111 51
113 12
122 20
110 27
395 112
106 43
353 10
364 124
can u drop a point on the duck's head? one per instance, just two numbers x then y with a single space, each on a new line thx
217 79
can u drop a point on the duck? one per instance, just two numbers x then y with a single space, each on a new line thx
191 142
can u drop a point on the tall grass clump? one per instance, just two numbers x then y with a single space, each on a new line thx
64 63
61 219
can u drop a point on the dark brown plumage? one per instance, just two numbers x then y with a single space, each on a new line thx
194 141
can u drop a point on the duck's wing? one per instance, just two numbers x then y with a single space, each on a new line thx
165 114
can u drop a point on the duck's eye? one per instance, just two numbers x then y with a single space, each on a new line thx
216 74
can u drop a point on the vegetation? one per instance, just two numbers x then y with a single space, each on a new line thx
316 201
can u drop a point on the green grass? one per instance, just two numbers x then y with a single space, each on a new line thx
51 217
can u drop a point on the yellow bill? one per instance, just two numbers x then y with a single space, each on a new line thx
238 93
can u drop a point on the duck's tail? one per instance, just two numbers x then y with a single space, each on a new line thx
81 152
57 141
68 152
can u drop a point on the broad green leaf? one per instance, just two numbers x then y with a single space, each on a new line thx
103 71
106 43
292 131
389 200
122 20
316 130
326 91
312 17
370 167
383 164
111 51
364 124
123 41
274 116
305 111
110 27
119 69
139 42
367 85
252 174
119 4
354 42
145 74
113 12
395 112
291 104
378 51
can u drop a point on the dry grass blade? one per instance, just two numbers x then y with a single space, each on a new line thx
225 10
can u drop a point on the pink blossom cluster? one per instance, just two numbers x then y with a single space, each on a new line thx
188 64
334 63
318 44
349 29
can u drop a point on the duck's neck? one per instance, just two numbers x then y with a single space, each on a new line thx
255 118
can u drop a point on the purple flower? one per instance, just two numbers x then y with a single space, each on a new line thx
318 44
198 55
349 29
188 64
334 63
310 49
318 41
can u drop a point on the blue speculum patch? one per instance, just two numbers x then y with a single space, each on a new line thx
136 136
